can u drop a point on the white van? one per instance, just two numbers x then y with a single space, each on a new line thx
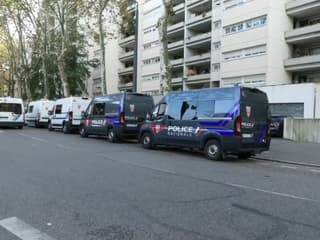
66 113
11 112
37 114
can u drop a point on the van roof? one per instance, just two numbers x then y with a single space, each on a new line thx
11 100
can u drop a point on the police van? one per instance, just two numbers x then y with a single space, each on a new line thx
37 113
218 121
66 113
117 116
11 112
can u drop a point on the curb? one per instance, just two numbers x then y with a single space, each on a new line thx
288 162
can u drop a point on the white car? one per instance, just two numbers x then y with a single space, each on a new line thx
11 112
66 113
37 114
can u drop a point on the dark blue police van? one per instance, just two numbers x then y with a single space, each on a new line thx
116 115
218 121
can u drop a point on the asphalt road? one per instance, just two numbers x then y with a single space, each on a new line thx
63 187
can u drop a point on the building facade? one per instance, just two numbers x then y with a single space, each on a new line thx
218 43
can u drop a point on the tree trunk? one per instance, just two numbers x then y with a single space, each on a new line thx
103 51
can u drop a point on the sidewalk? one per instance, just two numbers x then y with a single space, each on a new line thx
290 151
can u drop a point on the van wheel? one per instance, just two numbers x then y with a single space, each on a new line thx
244 155
213 150
65 128
111 136
20 127
50 127
147 141
83 132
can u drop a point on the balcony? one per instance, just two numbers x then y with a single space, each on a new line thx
303 64
195 3
178 8
178 27
199 78
127 42
125 71
303 8
199 39
176 45
131 8
303 35
125 86
198 59
176 63
128 56
201 19
176 81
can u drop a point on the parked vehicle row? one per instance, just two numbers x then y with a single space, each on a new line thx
218 121
11 112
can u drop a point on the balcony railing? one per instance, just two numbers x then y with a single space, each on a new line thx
201 57
176 62
125 85
126 56
194 2
199 78
305 63
126 41
303 8
125 71
304 34
175 27
200 18
178 7
198 38
177 44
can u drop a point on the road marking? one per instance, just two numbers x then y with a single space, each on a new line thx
34 138
273 193
68 148
1 131
290 167
315 170
23 230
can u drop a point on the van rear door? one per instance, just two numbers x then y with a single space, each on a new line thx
136 107
254 112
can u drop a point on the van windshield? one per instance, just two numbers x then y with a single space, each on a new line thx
138 105
11 107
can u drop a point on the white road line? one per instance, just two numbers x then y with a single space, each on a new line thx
273 193
315 170
67 147
290 167
23 230
1 131
34 138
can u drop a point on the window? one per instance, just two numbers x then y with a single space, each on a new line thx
149 29
11 107
150 61
152 77
223 106
249 24
30 110
151 44
173 110
98 109
217 24
216 45
205 109
234 3
58 109
250 80
246 52
216 67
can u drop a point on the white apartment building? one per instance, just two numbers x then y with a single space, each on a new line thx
217 43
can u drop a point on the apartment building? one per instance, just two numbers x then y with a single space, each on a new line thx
218 43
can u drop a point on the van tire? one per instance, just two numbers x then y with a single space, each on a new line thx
83 132
111 136
50 127
65 128
20 127
213 150
147 141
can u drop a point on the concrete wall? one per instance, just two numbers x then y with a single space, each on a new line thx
302 130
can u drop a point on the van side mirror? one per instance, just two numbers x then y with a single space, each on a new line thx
50 113
84 114
149 116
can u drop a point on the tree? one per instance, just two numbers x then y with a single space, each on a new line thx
165 85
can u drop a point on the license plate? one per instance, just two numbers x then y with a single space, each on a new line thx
132 125
247 135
